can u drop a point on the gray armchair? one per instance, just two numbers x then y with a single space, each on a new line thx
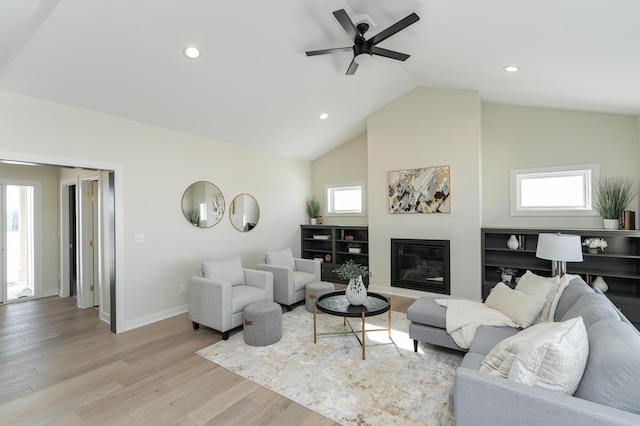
290 275
218 296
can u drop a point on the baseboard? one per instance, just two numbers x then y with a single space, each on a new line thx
150 319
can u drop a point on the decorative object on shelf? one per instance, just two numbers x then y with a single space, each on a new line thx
313 210
319 220
611 196
628 220
513 243
600 284
559 249
356 292
348 238
521 242
355 247
424 190
327 257
593 244
507 273
321 237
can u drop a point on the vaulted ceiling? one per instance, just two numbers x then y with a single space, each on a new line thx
254 86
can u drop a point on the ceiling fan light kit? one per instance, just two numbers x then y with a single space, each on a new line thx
364 49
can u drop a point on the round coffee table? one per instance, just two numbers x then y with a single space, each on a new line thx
336 304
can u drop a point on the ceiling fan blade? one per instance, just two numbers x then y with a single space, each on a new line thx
398 26
348 25
352 68
389 53
327 51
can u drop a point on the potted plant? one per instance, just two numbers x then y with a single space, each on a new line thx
611 196
193 216
507 273
313 210
354 247
593 244
356 292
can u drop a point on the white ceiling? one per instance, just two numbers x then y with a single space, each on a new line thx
254 85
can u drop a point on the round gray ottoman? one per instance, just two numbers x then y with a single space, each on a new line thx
314 290
262 323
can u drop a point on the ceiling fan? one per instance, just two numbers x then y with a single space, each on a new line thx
364 49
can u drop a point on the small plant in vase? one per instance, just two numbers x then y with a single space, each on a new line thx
593 244
313 210
354 247
356 292
507 273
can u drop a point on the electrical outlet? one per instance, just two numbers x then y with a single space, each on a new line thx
182 288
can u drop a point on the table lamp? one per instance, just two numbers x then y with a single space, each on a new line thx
559 249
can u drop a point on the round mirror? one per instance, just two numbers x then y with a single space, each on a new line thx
203 204
244 212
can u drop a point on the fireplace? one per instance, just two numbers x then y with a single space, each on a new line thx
420 265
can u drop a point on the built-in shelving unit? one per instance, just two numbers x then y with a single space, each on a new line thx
618 264
330 243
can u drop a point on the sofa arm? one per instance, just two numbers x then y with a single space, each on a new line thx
210 303
259 279
310 266
282 280
483 399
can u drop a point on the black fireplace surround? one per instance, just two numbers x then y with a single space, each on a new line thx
420 265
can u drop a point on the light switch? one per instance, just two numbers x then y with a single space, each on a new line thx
139 238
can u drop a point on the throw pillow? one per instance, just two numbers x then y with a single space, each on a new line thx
522 308
229 270
499 360
282 258
536 285
554 361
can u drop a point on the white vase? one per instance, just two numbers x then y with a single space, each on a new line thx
356 292
611 224
513 243
506 278
313 220
600 284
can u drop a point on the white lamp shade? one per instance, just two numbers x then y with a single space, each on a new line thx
559 247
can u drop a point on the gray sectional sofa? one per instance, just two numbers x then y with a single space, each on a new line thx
608 393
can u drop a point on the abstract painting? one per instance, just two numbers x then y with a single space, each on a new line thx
423 190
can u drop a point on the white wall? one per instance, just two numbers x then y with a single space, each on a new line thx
154 167
428 127
344 165
516 137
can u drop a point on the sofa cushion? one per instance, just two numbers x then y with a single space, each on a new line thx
301 279
426 311
522 308
244 295
554 360
568 296
282 258
229 270
591 307
488 336
612 375
499 360
536 285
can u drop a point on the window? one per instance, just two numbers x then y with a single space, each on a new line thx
553 191
345 200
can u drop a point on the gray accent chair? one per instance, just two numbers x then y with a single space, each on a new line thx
221 291
290 275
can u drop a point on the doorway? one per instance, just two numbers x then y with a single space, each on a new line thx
18 232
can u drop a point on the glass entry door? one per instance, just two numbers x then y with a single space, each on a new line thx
17 242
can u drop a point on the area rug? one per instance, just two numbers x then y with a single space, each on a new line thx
393 386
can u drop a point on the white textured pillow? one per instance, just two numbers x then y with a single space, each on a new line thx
521 307
556 360
538 286
229 270
499 360
564 282
282 258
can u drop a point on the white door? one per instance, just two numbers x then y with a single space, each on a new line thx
17 203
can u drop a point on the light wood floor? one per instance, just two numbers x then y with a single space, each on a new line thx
61 365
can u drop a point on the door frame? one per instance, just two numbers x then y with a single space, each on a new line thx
115 197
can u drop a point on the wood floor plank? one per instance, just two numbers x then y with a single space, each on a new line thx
61 365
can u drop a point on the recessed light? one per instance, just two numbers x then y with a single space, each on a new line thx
323 116
191 52
511 68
